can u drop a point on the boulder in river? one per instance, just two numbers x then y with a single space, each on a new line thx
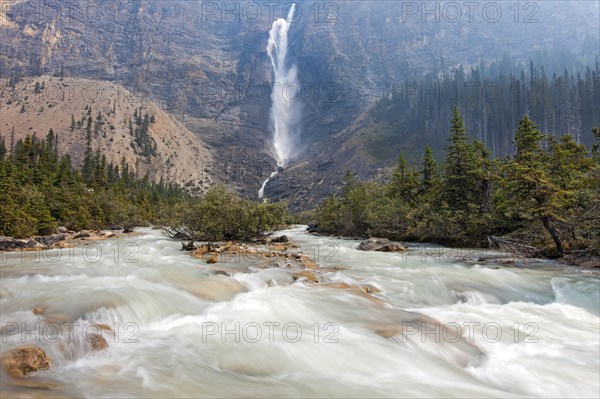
62 230
21 361
39 310
308 275
49 241
188 246
380 245
199 252
97 341
212 259
281 239
313 227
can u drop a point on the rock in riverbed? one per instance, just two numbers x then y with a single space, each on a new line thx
380 245
49 241
20 362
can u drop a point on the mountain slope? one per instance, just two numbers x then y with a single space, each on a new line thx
172 151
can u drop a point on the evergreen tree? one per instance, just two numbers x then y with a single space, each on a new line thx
464 172
529 183
429 171
404 183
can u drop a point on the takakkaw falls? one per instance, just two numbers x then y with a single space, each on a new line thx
285 112
254 199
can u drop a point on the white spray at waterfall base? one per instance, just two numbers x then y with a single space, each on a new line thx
285 107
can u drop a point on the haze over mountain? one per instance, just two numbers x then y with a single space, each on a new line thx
206 64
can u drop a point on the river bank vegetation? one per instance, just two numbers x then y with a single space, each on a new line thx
41 190
546 195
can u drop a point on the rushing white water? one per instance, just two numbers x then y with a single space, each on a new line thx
534 332
285 108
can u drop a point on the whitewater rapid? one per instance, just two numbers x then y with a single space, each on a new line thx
184 331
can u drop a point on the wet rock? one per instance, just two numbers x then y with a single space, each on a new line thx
313 227
369 289
22 361
102 326
97 341
309 263
199 252
49 241
128 230
281 239
307 275
212 259
11 244
223 271
115 228
188 246
380 245
231 247
582 261
278 248
39 310
81 235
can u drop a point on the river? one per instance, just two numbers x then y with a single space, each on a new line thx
181 331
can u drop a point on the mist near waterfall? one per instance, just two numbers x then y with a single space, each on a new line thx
286 108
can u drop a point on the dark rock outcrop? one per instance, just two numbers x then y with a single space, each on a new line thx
49 241
11 244
188 246
281 239
380 245
81 235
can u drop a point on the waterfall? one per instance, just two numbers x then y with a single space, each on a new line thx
285 111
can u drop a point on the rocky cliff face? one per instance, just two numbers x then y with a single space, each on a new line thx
205 63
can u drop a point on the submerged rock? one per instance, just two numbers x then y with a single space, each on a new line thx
22 361
305 274
215 288
39 310
212 260
380 245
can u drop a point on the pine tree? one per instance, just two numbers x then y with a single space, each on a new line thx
404 183
429 171
529 184
462 168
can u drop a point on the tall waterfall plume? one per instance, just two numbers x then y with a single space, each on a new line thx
285 108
